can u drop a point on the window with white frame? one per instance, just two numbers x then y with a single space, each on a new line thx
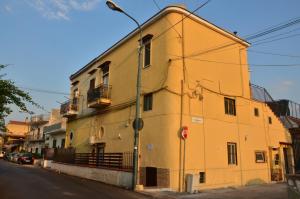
146 40
232 154
260 157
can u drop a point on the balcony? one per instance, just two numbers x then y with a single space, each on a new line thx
99 97
39 119
55 128
36 138
69 108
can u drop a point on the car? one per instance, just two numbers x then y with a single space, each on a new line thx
2 154
25 158
8 156
15 157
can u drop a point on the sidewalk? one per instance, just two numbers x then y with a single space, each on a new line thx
267 191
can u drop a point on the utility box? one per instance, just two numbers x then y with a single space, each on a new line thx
192 183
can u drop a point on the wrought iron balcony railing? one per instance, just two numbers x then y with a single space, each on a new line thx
99 96
54 128
69 108
39 119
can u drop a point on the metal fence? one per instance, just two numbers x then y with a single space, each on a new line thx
119 161
279 107
260 94
101 91
69 106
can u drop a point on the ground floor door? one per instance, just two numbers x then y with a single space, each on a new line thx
151 176
276 170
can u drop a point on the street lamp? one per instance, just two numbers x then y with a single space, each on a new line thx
138 120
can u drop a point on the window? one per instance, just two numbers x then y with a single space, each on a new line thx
202 177
147 50
92 84
75 96
105 74
63 141
270 120
229 106
260 157
148 100
256 112
54 144
231 152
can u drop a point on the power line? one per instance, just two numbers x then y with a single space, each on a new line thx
198 8
271 53
274 36
274 29
158 7
44 91
258 34
287 37
260 65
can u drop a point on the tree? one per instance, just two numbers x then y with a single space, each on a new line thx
11 94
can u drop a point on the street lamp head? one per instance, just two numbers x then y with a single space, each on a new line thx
113 6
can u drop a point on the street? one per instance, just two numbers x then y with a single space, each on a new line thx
17 181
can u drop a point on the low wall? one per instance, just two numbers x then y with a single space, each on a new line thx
113 177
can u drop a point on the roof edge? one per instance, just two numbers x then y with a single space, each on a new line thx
151 20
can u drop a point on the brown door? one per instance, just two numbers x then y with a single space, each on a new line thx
151 176
286 160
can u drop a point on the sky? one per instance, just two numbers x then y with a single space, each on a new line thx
45 41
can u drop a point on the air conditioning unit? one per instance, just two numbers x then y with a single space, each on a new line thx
92 139
192 183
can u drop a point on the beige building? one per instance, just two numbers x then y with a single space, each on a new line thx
195 76
35 138
55 130
13 138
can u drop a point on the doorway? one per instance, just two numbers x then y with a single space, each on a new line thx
286 160
151 176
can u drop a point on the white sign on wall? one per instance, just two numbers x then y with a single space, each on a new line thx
197 120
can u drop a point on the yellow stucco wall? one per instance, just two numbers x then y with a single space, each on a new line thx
209 74
16 128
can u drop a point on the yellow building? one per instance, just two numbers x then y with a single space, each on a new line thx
194 75
15 135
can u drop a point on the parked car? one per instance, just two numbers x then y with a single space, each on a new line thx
25 158
2 154
8 156
15 157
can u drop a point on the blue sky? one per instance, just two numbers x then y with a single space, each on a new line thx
45 41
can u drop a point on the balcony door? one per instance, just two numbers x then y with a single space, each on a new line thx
92 84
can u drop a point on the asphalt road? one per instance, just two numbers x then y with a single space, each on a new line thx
22 182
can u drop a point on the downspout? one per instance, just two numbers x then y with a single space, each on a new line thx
241 71
182 97
182 142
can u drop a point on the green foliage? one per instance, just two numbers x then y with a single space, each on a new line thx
11 94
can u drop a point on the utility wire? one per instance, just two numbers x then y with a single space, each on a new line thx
44 91
258 34
274 36
198 8
287 37
260 65
274 29
158 7
271 53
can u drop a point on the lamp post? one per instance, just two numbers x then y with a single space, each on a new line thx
138 117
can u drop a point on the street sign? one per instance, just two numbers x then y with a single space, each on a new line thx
140 124
184 132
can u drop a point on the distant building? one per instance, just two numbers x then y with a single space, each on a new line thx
35 138
55 130
14 137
